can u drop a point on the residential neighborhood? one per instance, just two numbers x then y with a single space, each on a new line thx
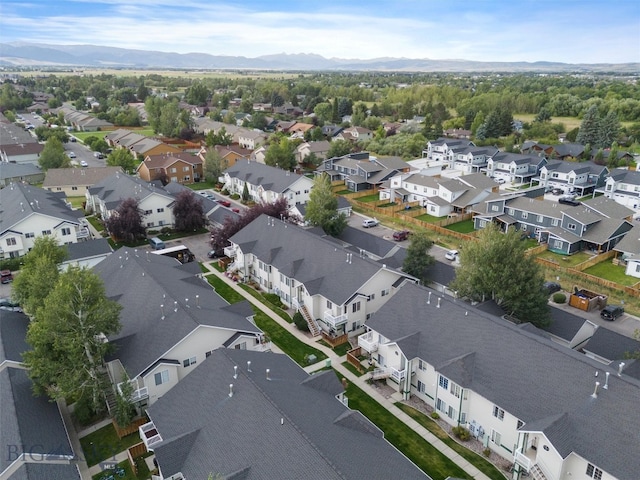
255 278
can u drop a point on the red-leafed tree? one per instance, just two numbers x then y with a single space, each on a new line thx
126 223
188 212
220 235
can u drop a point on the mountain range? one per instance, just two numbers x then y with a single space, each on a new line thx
19 54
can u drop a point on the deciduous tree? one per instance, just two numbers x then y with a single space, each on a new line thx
496 266
322 207
214 165
418 259
67 343
188 212
339 148
122 157
125 223
53 155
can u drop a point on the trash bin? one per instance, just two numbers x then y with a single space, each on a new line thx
327 363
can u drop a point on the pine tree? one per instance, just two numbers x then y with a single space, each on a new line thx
609 129
590 128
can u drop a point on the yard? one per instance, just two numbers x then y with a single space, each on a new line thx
611 272
418 450
76 202
143 472
224 290
97 224
565 260
428 218
82 136
368 198
466 226
104 443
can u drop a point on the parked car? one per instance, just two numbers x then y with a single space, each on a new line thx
401 235
83 163
215 253
71 155
6 276
6 304
569 201
72 139
551 287
451 255
98 154
225 203
500 180
611 312
370 222
557 191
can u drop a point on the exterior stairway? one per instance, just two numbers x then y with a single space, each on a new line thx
379 373
313 326
536 473
109 393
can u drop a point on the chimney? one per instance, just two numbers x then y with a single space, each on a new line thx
248 365
268 377
595 391
235 371
198 301
438 305
175 306
162 310
606 381
231 390
620 367
429 299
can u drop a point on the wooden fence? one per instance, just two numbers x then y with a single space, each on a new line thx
134 452
592 279
537 250
594 260
352 358
131 428
335 341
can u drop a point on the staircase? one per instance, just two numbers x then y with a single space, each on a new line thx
536 473
314 329
380 373
109 393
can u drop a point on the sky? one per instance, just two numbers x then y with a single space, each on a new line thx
570 31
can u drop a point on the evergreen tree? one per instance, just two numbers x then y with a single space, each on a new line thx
245 193
590 128
609 129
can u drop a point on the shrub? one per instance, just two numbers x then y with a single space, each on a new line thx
435 415
83 412
559 297
486 452
225 192
461 432
300 322
274 299
235 196
12 264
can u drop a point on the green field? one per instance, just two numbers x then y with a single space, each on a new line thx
103 133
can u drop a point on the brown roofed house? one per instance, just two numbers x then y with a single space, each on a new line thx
76 181
183 168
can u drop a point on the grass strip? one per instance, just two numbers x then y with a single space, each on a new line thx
104 444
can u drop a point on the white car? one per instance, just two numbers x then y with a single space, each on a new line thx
370 222
71 155
83 163
451 255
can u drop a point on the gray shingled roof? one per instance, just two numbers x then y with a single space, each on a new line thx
360 239
631 242
631 177
317 263
29 422
290 426
142 282
564 324
88 249
271 178
40 471
14 170
607 207
19 201
13 333
529 376
611 345
116 188
64 177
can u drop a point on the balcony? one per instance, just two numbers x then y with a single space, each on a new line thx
522 460
149 435
138 393
367 342
334 321
397 375
263 347
83 233
296 304
230 251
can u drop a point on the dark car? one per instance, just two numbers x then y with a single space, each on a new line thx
401 235
6 304
569 201
551 287
6 276
611 312
215 253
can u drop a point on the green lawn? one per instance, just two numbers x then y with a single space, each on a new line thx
84 135
104 444
565 260
368 198
429 218
279 311
287 342
143 471
418 450
225 291
96 223
476 460
202 186
466 226
614 273
76 202
353 369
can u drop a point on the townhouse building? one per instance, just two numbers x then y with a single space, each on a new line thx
29 212
105 197
335 289
470 159
514 167
597 224
444 149
75 182
525 397
183 168
266 183
582 177
171 321
623 186
362 171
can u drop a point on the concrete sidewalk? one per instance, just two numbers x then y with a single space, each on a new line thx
336 362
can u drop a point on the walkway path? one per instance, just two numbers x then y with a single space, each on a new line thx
360 382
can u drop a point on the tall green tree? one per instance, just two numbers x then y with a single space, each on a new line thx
496 267
590 128
214 165
68 350
322 207
39 273
609 129
339 148
418 259
122 157
53 155
281 154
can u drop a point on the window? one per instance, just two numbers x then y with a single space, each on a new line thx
384 292
571 226
162 377
329 304
185 169
148 212
495 208
525 214
557 244
173 170
371 297
455 390
11 241
594 472
512 211
421 386
554 222
29 235
66 231
46 232
496 437
355 307
186 178
150 224
160 210
74 188
422 365
463 417
443 382
441 406
498 412
540 218
241 346
189 361
520 424
452 412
